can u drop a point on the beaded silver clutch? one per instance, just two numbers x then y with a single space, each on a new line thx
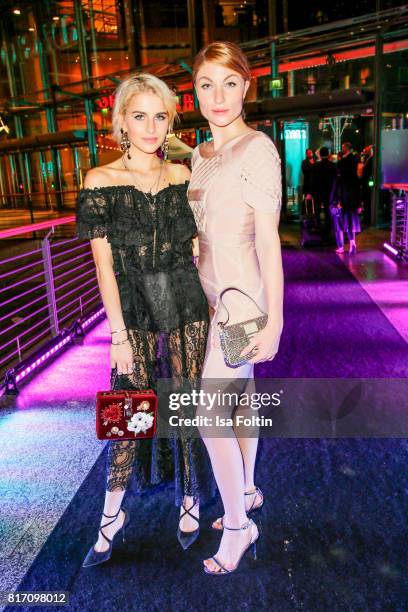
235 337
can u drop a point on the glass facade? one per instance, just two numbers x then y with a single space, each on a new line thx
61 61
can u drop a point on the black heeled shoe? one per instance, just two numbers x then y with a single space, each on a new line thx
253 510
186 538
95 558
252 543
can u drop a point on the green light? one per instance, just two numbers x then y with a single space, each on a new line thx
104 111
371 183
276 84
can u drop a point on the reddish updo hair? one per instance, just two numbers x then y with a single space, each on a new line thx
225 53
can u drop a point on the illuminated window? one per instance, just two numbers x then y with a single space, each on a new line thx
105 16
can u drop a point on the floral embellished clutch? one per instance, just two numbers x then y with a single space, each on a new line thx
126 415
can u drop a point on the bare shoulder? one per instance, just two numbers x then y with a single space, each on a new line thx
100 176
178 173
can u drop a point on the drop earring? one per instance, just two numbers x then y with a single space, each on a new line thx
165 146
125 143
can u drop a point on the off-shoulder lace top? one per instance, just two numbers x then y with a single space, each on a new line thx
151 243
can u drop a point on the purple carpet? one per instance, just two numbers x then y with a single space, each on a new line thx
334 527
332 328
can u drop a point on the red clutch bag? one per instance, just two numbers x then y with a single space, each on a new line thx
126 415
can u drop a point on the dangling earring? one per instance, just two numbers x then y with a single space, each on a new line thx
243 112
125 143
165 146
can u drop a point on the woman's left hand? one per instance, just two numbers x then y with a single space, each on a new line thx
266 341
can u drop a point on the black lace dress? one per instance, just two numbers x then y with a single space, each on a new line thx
166 313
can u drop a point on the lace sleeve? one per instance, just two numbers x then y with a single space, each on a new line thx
261 175
92 214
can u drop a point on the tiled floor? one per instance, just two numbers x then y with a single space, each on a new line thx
46 450
385 281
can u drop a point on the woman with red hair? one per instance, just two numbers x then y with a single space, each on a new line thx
235 194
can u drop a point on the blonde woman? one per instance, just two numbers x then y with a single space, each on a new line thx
235 193
135 212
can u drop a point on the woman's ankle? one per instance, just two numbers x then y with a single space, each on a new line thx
234 521
189 500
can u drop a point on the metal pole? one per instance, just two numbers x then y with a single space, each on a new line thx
281 143
49 94
50 287
14 177
28 184
393 218
92 28
2 183
18 125
83 56
192 28
186 67
377 128
43 174
272 22
133 32
209 21
285 16
144 55
274 75
78 177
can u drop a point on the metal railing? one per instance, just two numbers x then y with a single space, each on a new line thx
41 200
399 223
43 291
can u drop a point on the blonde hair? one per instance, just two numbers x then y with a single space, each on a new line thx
225 53
140 83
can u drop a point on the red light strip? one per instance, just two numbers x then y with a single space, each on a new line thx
320 60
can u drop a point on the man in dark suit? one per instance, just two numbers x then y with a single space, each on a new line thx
346 195
367 183
307 169
323 175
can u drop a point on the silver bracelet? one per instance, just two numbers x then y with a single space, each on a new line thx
121 342
118 331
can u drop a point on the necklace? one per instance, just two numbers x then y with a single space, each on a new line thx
155 183
151 200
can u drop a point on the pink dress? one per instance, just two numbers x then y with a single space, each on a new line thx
226 188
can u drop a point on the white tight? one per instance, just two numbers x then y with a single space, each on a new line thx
233 457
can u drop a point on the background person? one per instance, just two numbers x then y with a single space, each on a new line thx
345 200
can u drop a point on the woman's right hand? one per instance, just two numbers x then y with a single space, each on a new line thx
121 355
